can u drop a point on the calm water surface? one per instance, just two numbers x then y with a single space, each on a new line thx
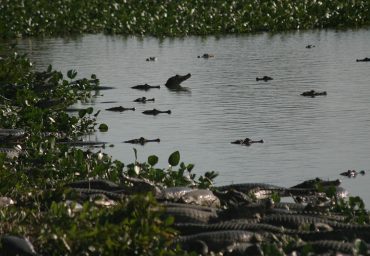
304 137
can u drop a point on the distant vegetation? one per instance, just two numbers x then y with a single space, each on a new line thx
175 18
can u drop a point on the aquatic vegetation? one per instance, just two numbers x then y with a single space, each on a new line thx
176 18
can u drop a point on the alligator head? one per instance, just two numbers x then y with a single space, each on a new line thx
175 81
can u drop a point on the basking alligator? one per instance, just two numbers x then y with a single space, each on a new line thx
264 78
143 100
15 245
12 152
313 93
217 241
363 60
12 134
145 87
186 195
119 109
155 112
175 81
141 141
246 142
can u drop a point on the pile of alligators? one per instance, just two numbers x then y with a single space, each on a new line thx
239 219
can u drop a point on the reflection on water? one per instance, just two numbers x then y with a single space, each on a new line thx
304 137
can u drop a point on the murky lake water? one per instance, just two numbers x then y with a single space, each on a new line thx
304 137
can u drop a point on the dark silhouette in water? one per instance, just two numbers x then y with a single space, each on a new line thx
352 173
363 60
313 93
155 112
246 141
145 87
120 109
151 59
175 81
143 100
264 78
309 46
141 141
206 56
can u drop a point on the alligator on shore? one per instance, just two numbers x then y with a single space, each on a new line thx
175 81
155 112
141 141
143 100
209 224
12 134
16 245
363 60
313 93
145 87
246 141
264 78
119 109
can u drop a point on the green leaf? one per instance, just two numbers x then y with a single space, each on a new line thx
152 160
190 167
89 110
174 158
82 113
71 73
103 127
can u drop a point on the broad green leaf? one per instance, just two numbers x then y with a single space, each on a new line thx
103 127
174 158
82 113
152 160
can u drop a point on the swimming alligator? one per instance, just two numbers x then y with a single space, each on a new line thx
143 100
363 60
145 87
246 141
155 112
264 78
175 81
141 141
313 93
151 59
352 173
119 109
206 56
309 46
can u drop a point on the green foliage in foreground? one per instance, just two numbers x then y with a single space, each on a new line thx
175 18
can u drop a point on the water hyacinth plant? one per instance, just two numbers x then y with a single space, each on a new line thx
175 18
